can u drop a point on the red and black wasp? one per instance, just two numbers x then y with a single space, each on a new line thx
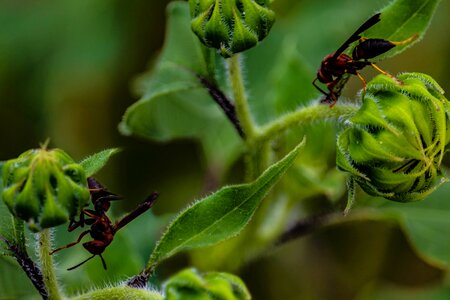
102 230
335 65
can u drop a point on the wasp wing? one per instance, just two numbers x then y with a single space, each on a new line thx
356 35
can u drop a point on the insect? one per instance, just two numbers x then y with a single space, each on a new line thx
102 230
335 65
100 197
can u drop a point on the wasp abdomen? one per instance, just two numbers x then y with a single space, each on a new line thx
371 48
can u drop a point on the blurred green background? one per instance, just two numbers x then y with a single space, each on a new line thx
66 73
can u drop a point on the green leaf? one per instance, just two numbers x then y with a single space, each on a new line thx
92 164
291 81
219 216
10 228
426 223
402 19
174 104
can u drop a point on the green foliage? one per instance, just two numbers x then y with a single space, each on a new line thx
10 228
289 86
219 216
174 104
426 223
191 285
93 163
402 19
179 99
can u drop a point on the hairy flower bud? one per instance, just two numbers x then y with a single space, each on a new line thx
395 143
44 187
231 25
189 284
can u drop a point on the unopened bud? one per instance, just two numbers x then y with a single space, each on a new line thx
44 187
395 143
189 284
231 25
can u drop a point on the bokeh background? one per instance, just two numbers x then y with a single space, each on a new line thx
66 73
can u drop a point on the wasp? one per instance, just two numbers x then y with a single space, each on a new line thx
335 65
102 229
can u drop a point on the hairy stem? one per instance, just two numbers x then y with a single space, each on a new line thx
140 280
28 266
306 115
18 232
240 97
224 103
48 270
122 292
245 118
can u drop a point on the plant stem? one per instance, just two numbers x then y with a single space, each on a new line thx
240 97
140 280
121 292
48 270
28 266
19 233
304 227
252 165
306 115
312 224
224 103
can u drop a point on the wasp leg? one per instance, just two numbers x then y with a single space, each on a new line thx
385 73
380 70
330 98
103 261
410 39
318 88
363 82
362 79
71 244
74 267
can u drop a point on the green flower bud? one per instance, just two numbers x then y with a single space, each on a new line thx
231 25
395 143
44 187
189 284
